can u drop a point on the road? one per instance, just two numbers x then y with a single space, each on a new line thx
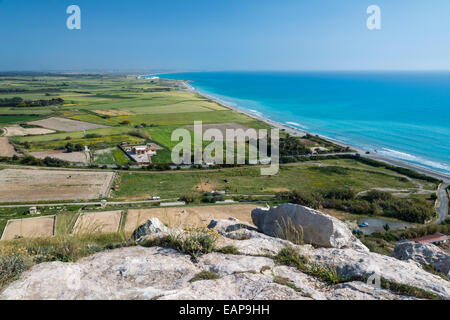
82 203
443 202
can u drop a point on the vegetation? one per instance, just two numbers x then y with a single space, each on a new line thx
16 256
373 203
193 242
291 257
228 250
19 102
205 275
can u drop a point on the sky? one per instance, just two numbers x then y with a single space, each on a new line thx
207 35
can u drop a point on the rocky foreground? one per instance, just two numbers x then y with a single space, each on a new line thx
160 273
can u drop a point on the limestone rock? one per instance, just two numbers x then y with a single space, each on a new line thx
152 226
126 273
228 264
311 226
240 286
229 225
424 253
350 262
357 290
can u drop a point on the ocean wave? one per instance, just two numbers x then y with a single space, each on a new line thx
296 124
256 112
412 158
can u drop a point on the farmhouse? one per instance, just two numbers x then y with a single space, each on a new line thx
141 153
436 238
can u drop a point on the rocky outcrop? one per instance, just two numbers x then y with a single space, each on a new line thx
424 253
161 273
353 263
151 227
158 273
310 226
246 239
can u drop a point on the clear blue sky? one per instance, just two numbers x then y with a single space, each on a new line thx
224 35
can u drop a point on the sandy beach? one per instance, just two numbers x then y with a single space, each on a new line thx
300 133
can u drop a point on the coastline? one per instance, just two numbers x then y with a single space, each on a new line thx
299 133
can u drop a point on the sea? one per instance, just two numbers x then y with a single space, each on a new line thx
402 115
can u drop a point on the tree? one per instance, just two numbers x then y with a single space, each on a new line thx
69 147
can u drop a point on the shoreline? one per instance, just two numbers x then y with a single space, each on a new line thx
300 133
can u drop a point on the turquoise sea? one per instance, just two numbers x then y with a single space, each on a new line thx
404 115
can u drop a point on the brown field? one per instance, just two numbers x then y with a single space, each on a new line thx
63 124
6 149
93 222
222 127
78 157
18 131
189 216
29 228
22 185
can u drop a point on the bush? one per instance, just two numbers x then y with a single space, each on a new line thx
340 194
189 197
11 266
373 195
308 199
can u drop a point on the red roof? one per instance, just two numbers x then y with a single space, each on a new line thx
430 238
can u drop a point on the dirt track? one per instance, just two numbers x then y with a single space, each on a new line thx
6 149
21 185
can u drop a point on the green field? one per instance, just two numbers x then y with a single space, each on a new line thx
118 102
248 181
10 119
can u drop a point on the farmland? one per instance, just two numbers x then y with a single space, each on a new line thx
117 109
22 185
109 108
249 181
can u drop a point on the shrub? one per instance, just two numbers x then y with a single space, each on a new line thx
189 197
340 194
11 266
373 195
308 199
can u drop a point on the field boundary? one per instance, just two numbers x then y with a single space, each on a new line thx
18 219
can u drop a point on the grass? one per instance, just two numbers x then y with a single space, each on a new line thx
229 250
286 282
249 181
193 242
16 256
205 275
93 143
10 119
290 257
